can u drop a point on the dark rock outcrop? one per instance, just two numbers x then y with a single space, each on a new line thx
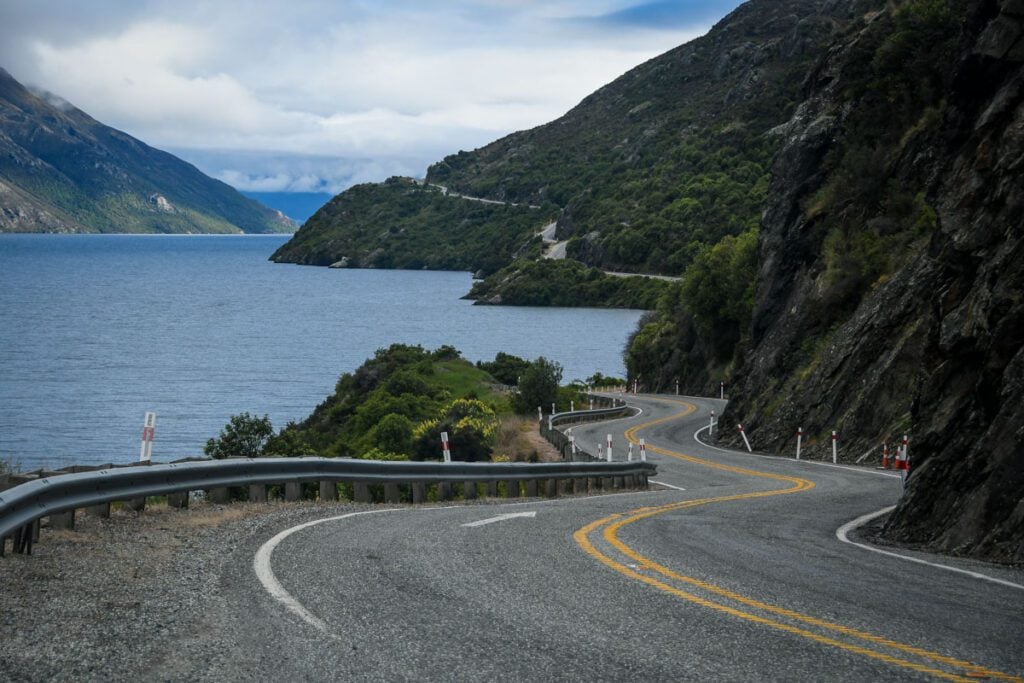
934 348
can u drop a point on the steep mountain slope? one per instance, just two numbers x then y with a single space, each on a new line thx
888 294
665 161
672 155
401 223
63 171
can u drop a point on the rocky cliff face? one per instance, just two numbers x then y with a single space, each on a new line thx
930 342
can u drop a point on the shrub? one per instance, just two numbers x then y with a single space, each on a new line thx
244 435
538 386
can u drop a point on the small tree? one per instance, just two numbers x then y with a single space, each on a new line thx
538 386
505 368
289 442
393 434
244 435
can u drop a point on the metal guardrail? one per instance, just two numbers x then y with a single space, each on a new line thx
589 415
26 503
560 440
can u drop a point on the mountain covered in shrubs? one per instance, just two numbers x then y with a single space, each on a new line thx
63 171
837 184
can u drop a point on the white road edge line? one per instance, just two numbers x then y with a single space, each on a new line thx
841 534
782 457
500 518
668 486
264 572
640 411
261 565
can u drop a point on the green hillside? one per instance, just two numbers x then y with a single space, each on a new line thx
672 156
63 171
403 224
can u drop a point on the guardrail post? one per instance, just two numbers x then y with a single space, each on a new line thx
531 488
177 500
257 493
607 483
24 537
218 496
63 520
361 492
444 491
551 488
391 494
469 490
137 504
579 485
100 510
511 488
492 489
419 492
328 491
292 491
594 483
565 487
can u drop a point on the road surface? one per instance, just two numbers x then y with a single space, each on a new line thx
734 574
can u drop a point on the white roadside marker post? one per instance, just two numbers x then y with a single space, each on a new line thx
643 450
148 433
677 387
552 408
721 390
540 414
572 445
600 453
834 460
591 404
799 440
572 406
609 453
745 439
445 448
905 463
711 425
629 454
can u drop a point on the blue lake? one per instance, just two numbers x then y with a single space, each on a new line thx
98 329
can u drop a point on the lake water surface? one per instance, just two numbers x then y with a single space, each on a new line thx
97 329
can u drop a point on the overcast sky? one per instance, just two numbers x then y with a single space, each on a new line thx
313 95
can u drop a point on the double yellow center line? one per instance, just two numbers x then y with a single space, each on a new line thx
726 602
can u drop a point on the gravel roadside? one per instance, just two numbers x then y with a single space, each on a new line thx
110 600
101 602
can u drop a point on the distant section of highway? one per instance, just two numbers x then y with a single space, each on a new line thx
738 577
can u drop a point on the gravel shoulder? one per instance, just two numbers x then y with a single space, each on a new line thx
102 602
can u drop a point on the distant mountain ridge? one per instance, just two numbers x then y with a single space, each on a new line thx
63 171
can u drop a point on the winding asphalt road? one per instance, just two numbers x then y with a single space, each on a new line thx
740 576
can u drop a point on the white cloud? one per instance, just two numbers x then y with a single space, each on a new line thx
378 85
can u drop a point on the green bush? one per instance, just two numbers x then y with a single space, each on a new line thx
538 386
471 426
718 291
243 436
505 368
